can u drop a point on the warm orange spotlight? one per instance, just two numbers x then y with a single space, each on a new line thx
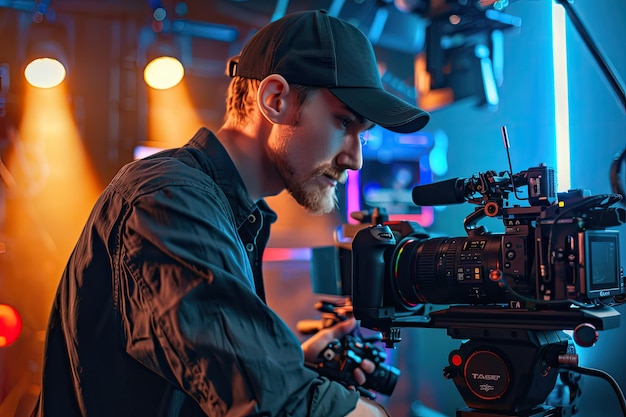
69 183
172 118
55 185
163 72
10 325
45 72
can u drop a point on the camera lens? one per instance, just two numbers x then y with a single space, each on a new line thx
446 270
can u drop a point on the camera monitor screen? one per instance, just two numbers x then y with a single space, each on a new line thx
603 268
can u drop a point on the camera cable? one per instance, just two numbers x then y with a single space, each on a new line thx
603 375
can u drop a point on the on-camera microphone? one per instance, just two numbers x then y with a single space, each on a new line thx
441 193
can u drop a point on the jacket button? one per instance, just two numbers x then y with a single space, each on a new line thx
251 218
249 247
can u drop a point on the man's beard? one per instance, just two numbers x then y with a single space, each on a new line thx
314 199
308 193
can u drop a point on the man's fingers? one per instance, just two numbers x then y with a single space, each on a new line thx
316 343
341 329
360 373
368 366
359 376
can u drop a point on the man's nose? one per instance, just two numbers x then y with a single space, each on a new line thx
351 155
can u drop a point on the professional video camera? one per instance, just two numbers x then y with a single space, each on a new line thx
508 295
552 254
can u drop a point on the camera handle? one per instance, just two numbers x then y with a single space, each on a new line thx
490 209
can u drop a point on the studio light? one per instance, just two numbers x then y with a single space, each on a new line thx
45 72
163 69
164 56
47 65
161 54
163 72
47 50
462 57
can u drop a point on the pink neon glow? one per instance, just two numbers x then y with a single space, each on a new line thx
353 202
286 254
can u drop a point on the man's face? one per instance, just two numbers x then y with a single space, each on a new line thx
313 153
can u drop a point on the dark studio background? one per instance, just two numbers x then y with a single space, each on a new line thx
42 213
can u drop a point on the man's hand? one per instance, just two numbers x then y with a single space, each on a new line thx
320 340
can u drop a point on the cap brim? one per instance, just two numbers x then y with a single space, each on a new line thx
383 108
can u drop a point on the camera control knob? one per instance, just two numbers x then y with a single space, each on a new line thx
585 335
492 209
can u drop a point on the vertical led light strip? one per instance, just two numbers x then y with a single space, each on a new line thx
561 99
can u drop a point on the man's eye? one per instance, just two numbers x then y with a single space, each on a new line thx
344 122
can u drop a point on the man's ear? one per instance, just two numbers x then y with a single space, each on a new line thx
274 100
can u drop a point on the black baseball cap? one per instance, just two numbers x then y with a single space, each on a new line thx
314 49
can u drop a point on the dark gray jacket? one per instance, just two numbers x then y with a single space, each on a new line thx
158 313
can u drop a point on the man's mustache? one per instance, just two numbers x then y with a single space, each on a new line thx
340 176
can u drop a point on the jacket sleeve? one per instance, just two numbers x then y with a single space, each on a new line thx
189 312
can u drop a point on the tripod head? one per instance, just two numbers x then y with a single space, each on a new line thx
509 372
510 359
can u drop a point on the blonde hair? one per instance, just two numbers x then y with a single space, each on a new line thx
241 98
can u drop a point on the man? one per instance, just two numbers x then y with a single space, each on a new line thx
160 311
